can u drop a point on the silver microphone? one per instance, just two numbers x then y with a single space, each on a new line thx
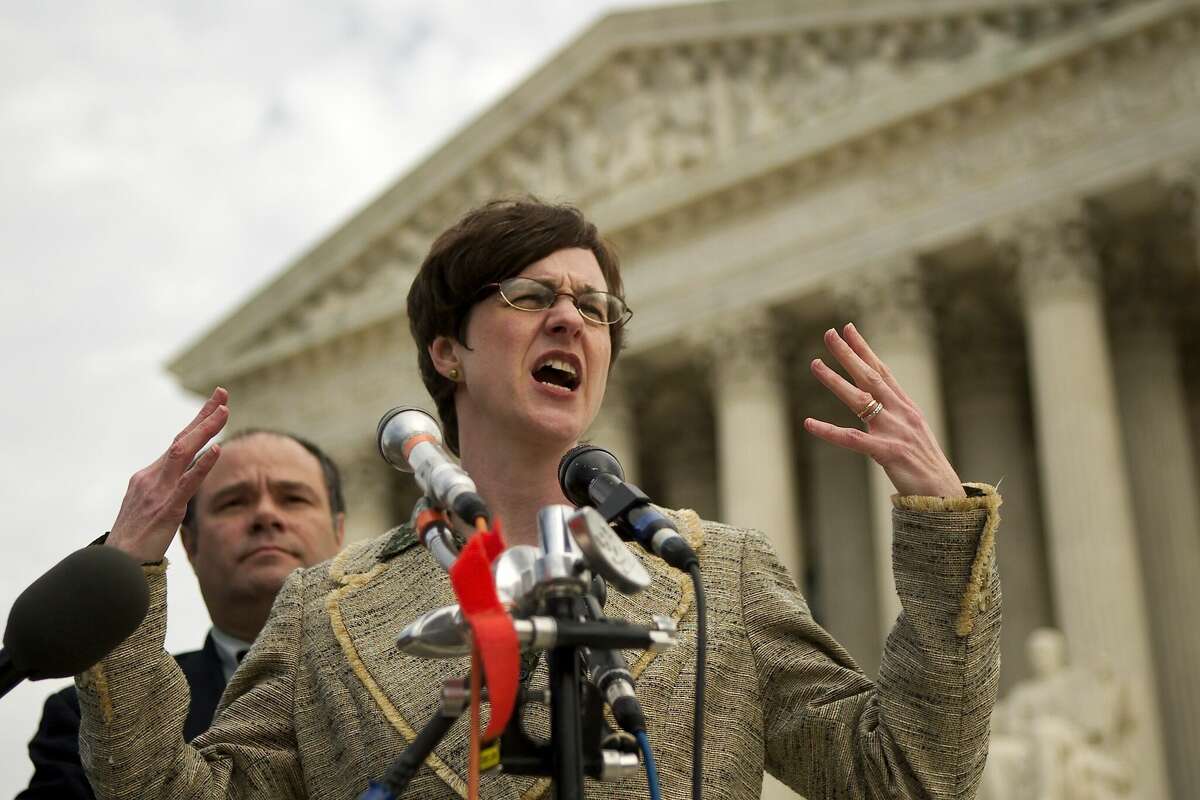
445 633
562 562
433 529
411 441
605 552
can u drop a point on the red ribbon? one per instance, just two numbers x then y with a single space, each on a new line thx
495 638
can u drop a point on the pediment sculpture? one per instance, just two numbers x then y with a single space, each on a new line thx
651 111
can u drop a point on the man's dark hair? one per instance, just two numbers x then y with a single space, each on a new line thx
490 244
329 471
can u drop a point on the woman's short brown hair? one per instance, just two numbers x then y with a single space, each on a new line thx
487 245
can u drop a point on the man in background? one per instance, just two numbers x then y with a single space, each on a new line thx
255 508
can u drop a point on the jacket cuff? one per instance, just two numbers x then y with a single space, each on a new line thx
133 653
980 497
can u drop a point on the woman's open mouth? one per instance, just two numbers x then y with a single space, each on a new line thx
557 372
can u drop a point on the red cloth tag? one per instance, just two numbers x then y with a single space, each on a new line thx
492 627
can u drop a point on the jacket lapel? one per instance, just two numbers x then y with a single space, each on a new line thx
368 612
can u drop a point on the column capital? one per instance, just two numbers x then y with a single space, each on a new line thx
1180 225
889 296
1050 248
1139 281
1183 175
740 347
981 338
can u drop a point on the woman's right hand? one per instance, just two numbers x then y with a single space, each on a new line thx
157 496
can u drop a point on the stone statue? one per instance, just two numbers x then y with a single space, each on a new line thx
752 97
885 65
811 84
632 122
1061 734
684 140
585 151
721 113
521 162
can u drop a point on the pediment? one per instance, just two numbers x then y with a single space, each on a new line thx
643 103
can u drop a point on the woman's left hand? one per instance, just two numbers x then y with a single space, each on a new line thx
897 437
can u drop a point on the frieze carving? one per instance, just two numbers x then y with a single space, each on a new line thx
1051 122
652 113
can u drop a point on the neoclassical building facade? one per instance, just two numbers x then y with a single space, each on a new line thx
1003 195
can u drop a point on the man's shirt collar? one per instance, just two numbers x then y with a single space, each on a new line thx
230 650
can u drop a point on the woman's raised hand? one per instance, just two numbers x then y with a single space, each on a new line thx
896 435
158 495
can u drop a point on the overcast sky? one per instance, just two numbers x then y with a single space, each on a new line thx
159 162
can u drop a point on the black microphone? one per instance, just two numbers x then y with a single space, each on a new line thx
411 441
591 475
73 616
609 673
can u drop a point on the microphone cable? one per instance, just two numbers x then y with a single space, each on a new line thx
651 768
701 666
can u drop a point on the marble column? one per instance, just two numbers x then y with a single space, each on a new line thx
1099 590
844 583
1163 474
373 490
675 424
613 428
755 458
891 310
1191 370
1178 238
990 423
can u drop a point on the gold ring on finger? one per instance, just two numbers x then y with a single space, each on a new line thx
873 412
867 409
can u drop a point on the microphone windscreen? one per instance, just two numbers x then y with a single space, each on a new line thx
76 613
580 466
397 426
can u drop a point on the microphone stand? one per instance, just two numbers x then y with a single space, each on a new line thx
566 706
455 695
577 726
551 612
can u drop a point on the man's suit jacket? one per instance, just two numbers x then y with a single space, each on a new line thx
54 750
324 702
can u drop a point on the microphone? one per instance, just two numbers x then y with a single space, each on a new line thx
73 616
591 475
411 441
609 672
433 529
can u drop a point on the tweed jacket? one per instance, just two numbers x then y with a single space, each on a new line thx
325 702
54 749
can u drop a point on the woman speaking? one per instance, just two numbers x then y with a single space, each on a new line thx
518 315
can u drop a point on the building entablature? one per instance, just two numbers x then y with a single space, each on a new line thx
665 121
